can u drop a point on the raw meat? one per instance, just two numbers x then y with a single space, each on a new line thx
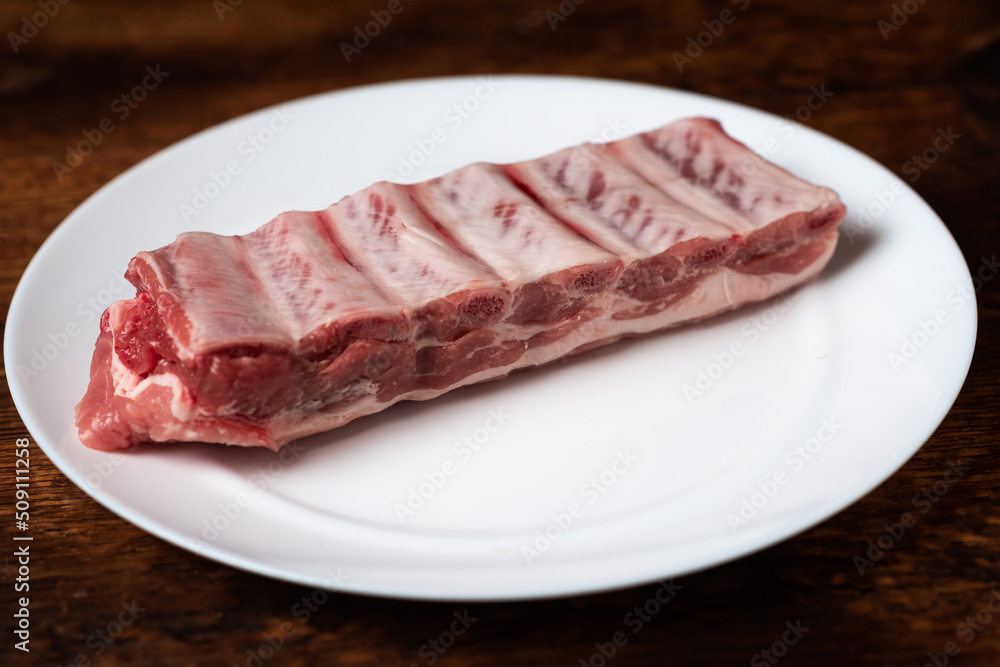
404 292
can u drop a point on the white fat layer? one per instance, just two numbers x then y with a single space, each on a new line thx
310 284
758 192
382 231
611 204
495 220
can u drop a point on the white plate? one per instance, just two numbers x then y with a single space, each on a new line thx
325 514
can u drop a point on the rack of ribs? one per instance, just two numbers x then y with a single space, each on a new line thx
404 292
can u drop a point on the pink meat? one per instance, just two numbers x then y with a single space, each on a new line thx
551 270
405 292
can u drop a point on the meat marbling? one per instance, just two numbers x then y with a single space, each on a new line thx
403 292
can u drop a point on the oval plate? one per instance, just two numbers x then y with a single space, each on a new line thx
647 459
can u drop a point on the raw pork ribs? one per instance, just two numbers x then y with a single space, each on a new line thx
407 291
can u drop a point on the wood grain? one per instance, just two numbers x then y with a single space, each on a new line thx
940 69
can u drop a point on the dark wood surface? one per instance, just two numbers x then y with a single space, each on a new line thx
892 92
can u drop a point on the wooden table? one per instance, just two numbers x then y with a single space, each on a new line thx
896 79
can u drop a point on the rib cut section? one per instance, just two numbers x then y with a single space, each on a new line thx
404 292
